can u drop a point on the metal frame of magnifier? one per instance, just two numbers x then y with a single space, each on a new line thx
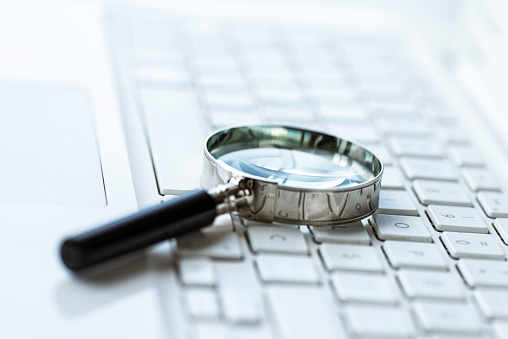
229 190
257 198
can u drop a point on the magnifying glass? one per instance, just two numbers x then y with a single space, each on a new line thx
266 173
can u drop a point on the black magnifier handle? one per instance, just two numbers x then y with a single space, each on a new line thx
179 216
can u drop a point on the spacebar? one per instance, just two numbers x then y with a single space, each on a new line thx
304 312
176 135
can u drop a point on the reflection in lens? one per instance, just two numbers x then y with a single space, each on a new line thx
299 168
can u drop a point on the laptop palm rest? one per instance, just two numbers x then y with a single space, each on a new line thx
49 153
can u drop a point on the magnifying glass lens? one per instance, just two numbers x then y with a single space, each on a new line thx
310 169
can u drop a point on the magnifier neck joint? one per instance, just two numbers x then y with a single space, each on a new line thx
232 196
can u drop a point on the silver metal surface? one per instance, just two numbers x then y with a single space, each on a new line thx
266 199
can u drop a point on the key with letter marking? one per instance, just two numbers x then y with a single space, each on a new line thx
441 193
456 219
395 227
470 245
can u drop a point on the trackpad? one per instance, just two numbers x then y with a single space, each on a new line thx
48 152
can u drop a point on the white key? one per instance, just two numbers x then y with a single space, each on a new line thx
363 133
434 285
382 153
493 303
418 147
197 271
350 257
240 308
392 178
414 255
277 240
296 114
366 288
447 318
164 75
348 233
501 329
452 134
345 114
385 322
232 100
209 244
434 169
501 226
441 193
217 83
412 127
469 245
396 202
221 224
486 273
202 304
318 319
479 179
456 219
465 156
287 269
222 117
395 227
494 204
167 127
291 97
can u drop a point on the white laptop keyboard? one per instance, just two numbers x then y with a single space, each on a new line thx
430 263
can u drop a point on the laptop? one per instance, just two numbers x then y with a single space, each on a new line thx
105 109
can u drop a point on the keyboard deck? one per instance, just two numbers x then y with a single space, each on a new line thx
431 263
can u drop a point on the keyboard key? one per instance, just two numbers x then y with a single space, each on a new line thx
167 127
375 322
416 147
222 118
283 97
394 227
501 329
212 245
456 219
433 285
287 269
202 304
428 169
485 273
277 239
392 178
469 245
411 127
197 271
501 226
350 257
493 303
479 179
447 318
318 319
359 132
364 288
240 308
494 204
354 233
293 114
382 153
465 156
233 100
396 202
344 114
414 255
452 134
441 193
